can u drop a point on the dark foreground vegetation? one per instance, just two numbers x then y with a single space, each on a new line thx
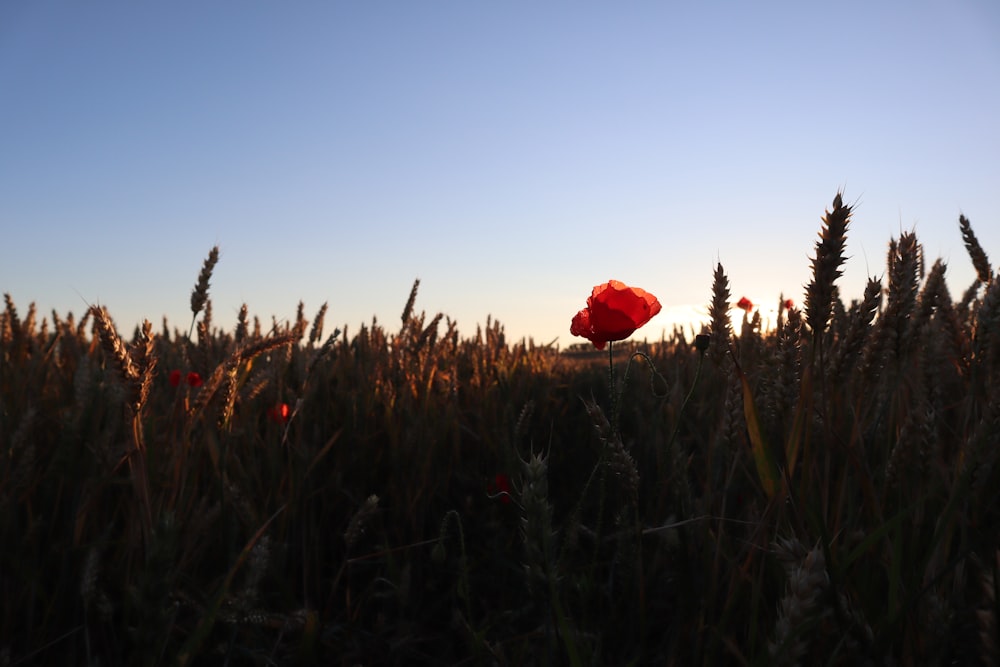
822 492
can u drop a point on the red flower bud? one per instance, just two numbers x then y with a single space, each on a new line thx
174 378
194 380
745 304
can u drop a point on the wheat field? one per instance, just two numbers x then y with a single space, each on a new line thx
820 492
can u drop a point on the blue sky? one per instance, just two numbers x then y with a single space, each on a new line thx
511 155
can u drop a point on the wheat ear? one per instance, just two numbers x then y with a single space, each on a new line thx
536 525
241 325
408 309
619 461
12 331
720 327
979 259
317 327
200 293
145 361
849 351
300 321
826 265
225 370
113 345
905 271
807 583
136 377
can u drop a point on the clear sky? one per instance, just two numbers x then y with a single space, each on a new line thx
510 154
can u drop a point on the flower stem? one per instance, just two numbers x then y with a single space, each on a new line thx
615 399
673 455
687 399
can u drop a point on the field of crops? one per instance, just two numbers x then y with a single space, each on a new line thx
822 492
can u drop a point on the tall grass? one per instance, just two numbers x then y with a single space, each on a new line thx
823 492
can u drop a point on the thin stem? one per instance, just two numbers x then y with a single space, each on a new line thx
687 399
652 378
673 456
615 399
616 396
140 479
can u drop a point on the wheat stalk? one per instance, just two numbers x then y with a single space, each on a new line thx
145 361
43 330
12 319
979 259
619 461
826 265
788 361
241 325
323 351
807 583
720 326
13 334
300 321
317 326
850 347
429 333
905 271
934 296
113 345
893 327
136 378
200 293
28 327
255 348
229 395
986 337
408 309
225 369
908 462
206 318
536 525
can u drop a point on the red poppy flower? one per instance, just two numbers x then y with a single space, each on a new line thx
745 304
194 380
789 304
499 488
614 311
279 413
174 378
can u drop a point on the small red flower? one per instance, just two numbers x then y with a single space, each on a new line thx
614 311
745 304
174 378
789 304
194 380
279 413
499 488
